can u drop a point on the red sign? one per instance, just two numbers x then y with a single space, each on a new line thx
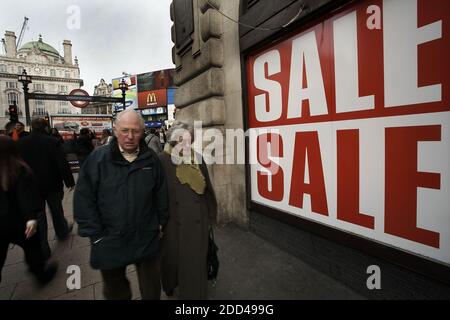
356 112
149 99
79 92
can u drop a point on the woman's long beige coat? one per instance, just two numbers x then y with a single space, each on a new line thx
185 240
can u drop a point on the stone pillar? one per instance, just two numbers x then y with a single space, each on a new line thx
10 44
67 52
208 74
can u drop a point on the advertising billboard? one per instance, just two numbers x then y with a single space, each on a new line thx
131 97
171 96
152 99
156 80
68 125
351 123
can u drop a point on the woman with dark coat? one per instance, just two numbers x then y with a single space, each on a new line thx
83 145
192 211
55 134
19 205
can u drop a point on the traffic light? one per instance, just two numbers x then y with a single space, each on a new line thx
13 115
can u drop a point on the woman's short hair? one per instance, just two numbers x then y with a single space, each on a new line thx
176 130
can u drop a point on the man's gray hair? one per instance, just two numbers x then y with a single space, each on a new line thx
176 130
121 114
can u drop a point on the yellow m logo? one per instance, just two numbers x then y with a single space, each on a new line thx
151 98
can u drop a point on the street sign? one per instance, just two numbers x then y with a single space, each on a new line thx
79 103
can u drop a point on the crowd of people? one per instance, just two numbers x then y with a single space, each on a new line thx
135 204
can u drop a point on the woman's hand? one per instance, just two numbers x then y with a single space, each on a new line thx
30 229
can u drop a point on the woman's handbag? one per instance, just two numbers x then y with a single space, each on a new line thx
212 258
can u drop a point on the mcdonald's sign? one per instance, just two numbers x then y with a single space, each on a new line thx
151 99
155 98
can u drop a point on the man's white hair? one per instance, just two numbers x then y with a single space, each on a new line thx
123 113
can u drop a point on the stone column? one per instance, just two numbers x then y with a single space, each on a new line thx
10 44
67 52
208 74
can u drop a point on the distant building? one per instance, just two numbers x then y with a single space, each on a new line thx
104 90
51 73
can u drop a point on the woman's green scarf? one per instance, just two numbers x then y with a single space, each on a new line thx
188 173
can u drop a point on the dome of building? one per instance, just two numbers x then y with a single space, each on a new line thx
41 46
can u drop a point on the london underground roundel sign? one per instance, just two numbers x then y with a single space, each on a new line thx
79 103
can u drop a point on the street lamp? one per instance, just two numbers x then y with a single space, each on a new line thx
26 80
124 87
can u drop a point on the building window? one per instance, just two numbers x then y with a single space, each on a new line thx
52 73
64 111
67 74
64 107
39 111
39 103
38 87
3 68
62 88
13 98
11 85
19 70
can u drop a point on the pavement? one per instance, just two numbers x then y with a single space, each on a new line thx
250 269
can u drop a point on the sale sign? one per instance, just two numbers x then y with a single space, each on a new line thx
357 112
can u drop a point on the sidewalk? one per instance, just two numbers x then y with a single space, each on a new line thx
250 268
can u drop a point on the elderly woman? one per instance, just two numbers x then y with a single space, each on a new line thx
192 210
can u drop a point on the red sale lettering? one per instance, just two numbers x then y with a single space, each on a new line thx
348 179
362 112
403 179
276 190
307 156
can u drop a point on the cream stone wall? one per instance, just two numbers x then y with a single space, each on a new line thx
210 90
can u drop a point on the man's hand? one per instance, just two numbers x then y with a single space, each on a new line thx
71 188
30 229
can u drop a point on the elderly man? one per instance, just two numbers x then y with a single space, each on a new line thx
121 204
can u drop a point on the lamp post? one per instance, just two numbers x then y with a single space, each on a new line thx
124 87
26 80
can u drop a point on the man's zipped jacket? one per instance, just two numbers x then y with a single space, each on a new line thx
121 205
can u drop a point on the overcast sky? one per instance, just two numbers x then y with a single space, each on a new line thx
115 36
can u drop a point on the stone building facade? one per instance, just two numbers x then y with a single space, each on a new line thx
51 73
102 90
208 78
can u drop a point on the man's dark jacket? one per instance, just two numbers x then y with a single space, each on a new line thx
120 206
45 157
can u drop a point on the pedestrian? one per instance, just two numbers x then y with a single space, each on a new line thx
106 137
192 211
55 134
153 141
162 137
19 205
19 131
45 157
121 204
83 145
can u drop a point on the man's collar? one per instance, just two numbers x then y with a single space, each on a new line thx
135 153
